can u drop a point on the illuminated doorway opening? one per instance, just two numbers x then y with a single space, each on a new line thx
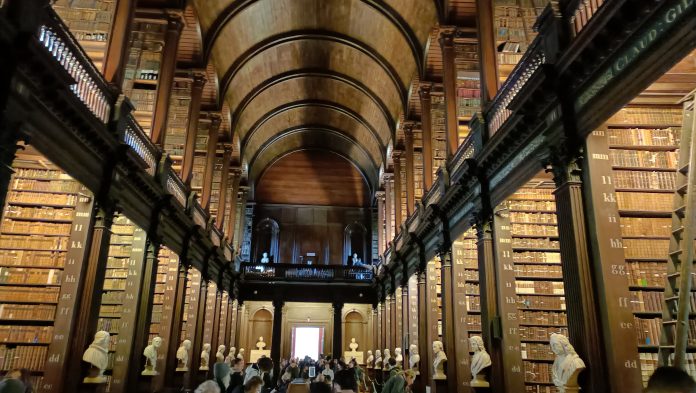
307 341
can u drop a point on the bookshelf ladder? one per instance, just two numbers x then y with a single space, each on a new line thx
676 310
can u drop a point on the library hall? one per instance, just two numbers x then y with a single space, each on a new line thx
347 196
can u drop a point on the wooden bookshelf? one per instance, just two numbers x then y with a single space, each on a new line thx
513 24
177 121
438 132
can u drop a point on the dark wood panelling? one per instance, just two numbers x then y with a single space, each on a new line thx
312 177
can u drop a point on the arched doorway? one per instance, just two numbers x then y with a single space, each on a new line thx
354 327
266 235
260 325
355 242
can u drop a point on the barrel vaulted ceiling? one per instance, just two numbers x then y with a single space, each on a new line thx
329 74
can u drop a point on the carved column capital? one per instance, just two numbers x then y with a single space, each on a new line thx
564 166
199 80
424 90
446 37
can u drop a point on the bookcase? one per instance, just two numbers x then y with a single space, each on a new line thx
166 257
468 86
200 155
513 23
465 263
35 238
538 279
209 317
438 132
177 121
222 340
215 186
90 22
418 174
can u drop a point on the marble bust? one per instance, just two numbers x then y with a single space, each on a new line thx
385 360
260 345
398 356
240 355
182 355
413 358
264 258
205 357
231 355
378 359
220 354
567 365
479 362
98 356
150 354
370 359
438 363
353 345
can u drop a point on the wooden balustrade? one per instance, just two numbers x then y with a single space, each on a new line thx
294 272
135 137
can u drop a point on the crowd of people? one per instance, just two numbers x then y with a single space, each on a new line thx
325 375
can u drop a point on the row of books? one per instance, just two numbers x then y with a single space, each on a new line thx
38 173
647 115
547 243
536 230
473 303
30 276
29 295
540 333
541 302
539 287
550 271
33 242
533 218
33 258
26 334
111 325
649 362
36 228
473 323
544 318
657 180
537 372
644 137
640 226
39 213
536 257
67 185
529 193
646 202
36 197
643 158
646 274
646 248
472 275
527 205
537 351
29 357
42 312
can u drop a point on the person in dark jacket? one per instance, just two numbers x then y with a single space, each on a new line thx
237 374
400 382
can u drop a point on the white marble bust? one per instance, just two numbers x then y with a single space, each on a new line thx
240 355
260 345
98 356
370 359
355 259
182 355
231 355
567 365
150 354
398 356
378 359
479 361
205 357
353 345
438 363
264 258
385 360
413 358
220 354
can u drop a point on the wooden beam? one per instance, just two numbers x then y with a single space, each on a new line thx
426 124
449 81
410 182
192 127
211 152
166 78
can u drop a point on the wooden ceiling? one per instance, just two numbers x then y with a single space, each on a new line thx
313 177
670 88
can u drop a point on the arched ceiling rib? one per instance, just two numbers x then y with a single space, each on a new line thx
330 74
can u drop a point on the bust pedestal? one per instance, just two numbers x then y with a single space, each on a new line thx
92 387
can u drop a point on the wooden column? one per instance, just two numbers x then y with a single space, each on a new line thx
88 298
488 58
393 323
192 128
385 324
404 337
215 331
398 212
277 339
119 39
389 196
610 281
381 241
454 380
426 124
238 325
192 323
375 330
410 182
211 151
337 330
449 81
199 328
244 194
424 336
459 316
166 78
236 174
172 319
224 180
229 323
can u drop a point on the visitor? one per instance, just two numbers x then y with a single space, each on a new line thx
22 375
345 378
208 387
237 374
359 375
328 371
393 367
262 368
253 385
319 387
221 373
293 368
670 380
401 382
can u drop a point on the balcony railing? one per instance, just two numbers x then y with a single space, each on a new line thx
293 272
176 188
581 11
135 137
90 87
199 215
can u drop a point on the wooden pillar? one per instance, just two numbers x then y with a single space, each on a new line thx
244 194
404 336
224 180
385 324
229 323
433 315
199 328
89 297
119 39
215 330
337 329
426 125
410 182
459 316
277 335
238 325
448 323
449 81
381 241
388 336
232 220
398 212
488 58
192 323
211 152
166 78
393 322
424 337
375 329
192 128
389 196
172 319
